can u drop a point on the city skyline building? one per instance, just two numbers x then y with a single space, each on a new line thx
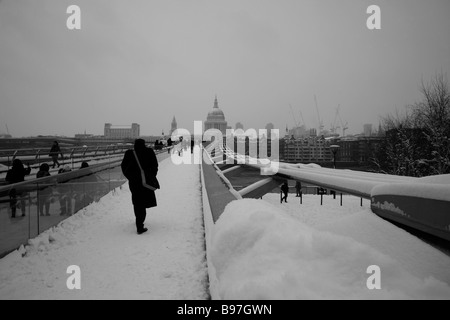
122 131
173 126
239 126
367 129
306 150
216 119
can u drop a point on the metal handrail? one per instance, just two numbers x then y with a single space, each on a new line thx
92 168
36 156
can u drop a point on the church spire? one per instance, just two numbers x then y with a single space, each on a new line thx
173 126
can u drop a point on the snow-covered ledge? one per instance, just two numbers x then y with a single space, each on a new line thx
216 194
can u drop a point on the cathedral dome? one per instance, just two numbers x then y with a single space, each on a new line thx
216 114
216 119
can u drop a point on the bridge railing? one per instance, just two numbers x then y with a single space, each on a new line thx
71 155
30 207
420 203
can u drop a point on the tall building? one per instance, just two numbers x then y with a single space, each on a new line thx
122 132
381 132
367 130
173 126
216 119
358 149
269 127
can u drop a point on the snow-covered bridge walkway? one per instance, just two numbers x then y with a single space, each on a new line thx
167 262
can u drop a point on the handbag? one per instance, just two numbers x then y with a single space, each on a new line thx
149 182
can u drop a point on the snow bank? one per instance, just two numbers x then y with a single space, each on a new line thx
419 190
299 165
438 179
432 187
361 224
260 252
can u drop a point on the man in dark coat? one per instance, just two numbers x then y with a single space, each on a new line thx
16 174
141 196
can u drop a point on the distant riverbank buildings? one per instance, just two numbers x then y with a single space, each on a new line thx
306 150
355 150
303 145
122 132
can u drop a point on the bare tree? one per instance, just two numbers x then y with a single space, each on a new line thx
433 116
434 110
418 141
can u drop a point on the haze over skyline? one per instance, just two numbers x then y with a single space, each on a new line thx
147 61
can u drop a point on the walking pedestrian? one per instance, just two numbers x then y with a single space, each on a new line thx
298 188
17 174
169 145
284 191
138 162
55 151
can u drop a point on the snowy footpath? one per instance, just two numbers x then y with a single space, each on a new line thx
166 262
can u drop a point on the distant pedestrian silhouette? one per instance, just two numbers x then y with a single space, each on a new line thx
169 145
55 151
284 192
17 174
298 189
44 193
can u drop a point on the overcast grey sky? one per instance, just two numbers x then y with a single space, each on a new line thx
146 61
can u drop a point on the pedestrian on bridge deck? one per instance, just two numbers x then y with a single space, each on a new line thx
55 151
136 163
169 145
17 174
45 192
298 188
284 192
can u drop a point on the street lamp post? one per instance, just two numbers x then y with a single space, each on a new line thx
334 148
